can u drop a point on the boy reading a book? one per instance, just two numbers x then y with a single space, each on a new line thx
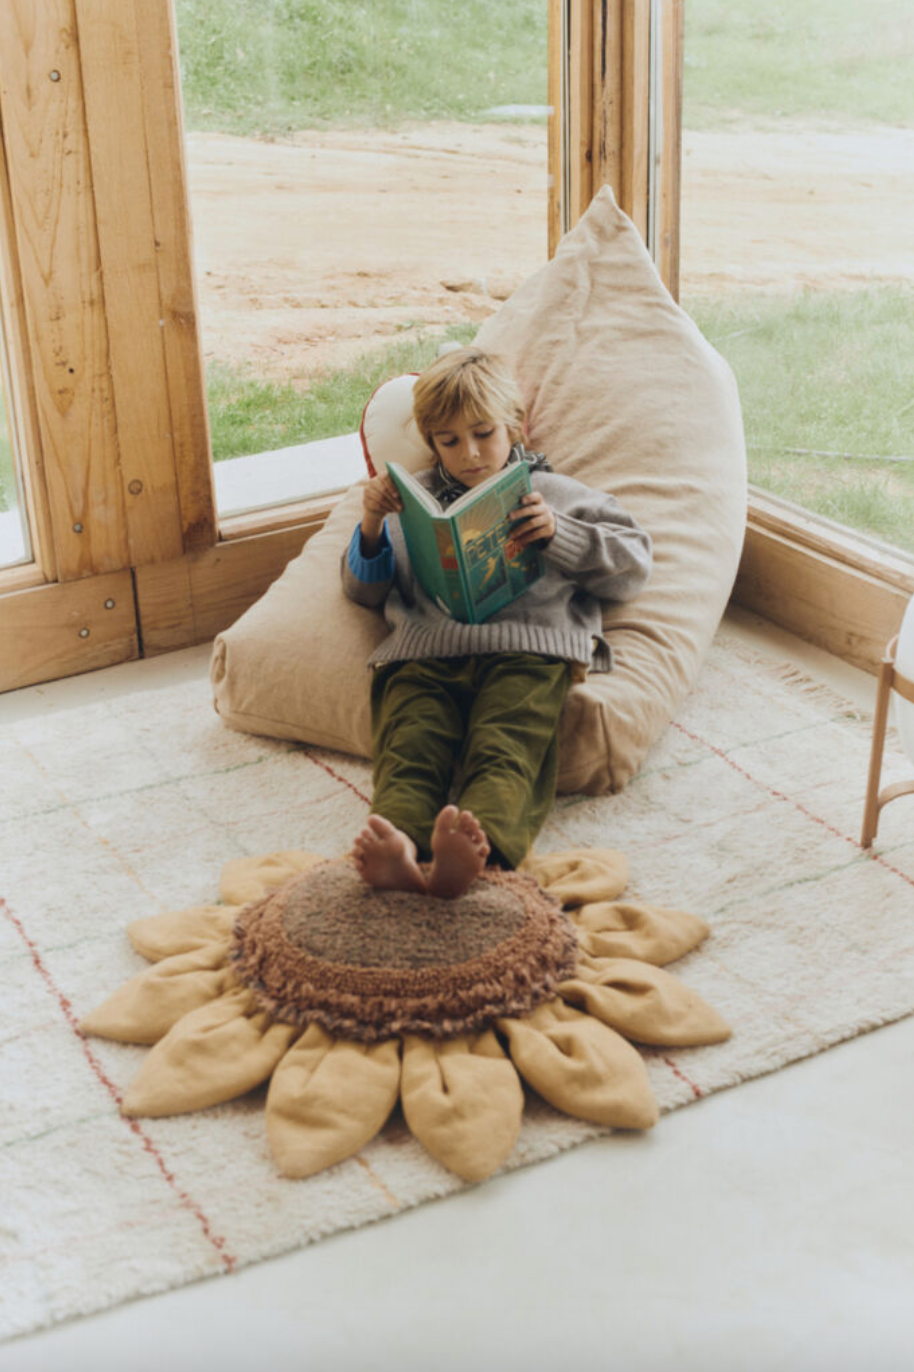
479 700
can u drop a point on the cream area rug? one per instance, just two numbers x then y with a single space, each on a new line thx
747 813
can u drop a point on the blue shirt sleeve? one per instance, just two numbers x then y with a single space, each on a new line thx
371 569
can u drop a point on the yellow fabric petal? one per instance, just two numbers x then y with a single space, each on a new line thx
144 1008
182 931
632 929
327 1099
250 878
581 1067
580 874
463 1100
217 1052
645 1003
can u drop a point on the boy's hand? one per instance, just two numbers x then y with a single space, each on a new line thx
379 498
534 520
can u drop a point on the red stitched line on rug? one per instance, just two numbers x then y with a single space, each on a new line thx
186 1200
677 1071
336 776
780 795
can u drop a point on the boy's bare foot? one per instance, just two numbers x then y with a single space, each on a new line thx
459 852
385 857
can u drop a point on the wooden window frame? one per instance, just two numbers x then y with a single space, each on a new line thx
100 317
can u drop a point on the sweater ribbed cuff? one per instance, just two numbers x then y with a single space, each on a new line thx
569 545
371 569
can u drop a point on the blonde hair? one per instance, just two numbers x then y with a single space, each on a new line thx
468 381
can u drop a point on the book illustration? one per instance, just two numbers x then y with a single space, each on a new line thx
466 557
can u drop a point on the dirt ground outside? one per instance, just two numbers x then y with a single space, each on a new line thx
314 251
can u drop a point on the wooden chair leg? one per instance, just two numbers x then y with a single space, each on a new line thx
880 719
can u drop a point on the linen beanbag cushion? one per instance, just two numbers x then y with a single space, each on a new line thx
625 394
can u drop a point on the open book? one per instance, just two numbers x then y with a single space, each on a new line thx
465 557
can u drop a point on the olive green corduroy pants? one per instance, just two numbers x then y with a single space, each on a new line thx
492 720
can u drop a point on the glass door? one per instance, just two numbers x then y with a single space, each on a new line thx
797 248
365 182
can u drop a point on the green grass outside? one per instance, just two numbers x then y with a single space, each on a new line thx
828 372
250 415
815 371
275 66
825 372
825 60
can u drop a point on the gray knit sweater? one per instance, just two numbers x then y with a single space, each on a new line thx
597 553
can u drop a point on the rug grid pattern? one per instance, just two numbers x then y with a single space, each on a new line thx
746 812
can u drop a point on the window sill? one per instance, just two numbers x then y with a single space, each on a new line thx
288 476
839 590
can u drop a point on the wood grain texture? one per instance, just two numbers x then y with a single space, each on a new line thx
309 515
165 154
41 100
669 172
110 58
841 608
21 577
191 599
634 184
59 630
842 545
554 168
607 95
579 140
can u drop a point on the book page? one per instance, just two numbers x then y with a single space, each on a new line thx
408 486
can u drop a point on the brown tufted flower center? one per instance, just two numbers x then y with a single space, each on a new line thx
369 964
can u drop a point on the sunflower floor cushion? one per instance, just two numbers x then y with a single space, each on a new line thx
348 1000
622 392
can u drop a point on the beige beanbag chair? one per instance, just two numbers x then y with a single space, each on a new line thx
626 395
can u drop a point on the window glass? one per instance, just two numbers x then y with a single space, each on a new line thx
14 538
797 254
366 181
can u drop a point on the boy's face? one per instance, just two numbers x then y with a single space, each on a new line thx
472 450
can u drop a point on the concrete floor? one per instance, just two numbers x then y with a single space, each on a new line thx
768 1227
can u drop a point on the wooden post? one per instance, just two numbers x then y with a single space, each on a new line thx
620 83
669 179
156 32
110 58
607 110
579 141
44 130
634 180
127 54
554 126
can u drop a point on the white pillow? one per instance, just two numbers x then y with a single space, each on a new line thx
388 430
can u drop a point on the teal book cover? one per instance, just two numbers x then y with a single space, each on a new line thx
465 557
